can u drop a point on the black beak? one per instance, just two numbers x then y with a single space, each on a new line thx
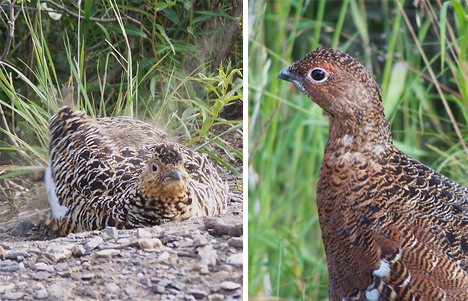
285 75
175 176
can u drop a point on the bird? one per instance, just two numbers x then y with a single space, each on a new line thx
122 172
392 228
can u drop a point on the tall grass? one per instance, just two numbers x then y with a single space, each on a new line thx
416 54
160 72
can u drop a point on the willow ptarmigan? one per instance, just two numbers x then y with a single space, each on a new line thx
123 172
392 228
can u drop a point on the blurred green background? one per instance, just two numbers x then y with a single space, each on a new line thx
417 52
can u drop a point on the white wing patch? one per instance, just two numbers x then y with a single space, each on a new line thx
383 269
58 211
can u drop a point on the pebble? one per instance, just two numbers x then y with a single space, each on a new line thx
93 243
236 242
186 242
158 289
112 288
112 232
87 276
164 256
79 251
60 291
10 268
22 228
236 259
4 288
131 291
229 285
178 285
215 297
108 253
41 294
12 295
142 233
226 267
42 275
2 253
199 294
149 243
220 276
200 241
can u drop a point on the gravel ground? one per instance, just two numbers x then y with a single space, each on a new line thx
192 260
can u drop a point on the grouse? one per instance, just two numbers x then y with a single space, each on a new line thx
122 172
392 228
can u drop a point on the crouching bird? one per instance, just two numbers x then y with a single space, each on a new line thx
392 228
123 172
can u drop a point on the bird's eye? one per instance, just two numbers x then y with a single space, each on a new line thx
154 167
318 75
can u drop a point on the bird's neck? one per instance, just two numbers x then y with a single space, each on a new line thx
365 135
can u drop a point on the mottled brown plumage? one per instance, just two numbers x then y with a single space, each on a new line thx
123 172
393 229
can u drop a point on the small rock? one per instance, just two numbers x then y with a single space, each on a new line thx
131 291
16 254
112 232
64 274
112 288
41 266
226 267
10 268
198 293
87 276
41 294
93 243
149 243
215 297
236 242
204 269
42 275
164 282
164 256
145 281
142 233
12 295
2 253
186 242
209 258
199 241
79 251
178 285
158 289
220 276
229 285
4 288
108 253
236 259
22 228
60 252
60 291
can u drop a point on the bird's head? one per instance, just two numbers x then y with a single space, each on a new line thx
165 174
339 84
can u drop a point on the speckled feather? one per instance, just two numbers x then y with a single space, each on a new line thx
392 228
123 172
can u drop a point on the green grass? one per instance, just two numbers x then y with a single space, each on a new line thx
168 76
424 92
